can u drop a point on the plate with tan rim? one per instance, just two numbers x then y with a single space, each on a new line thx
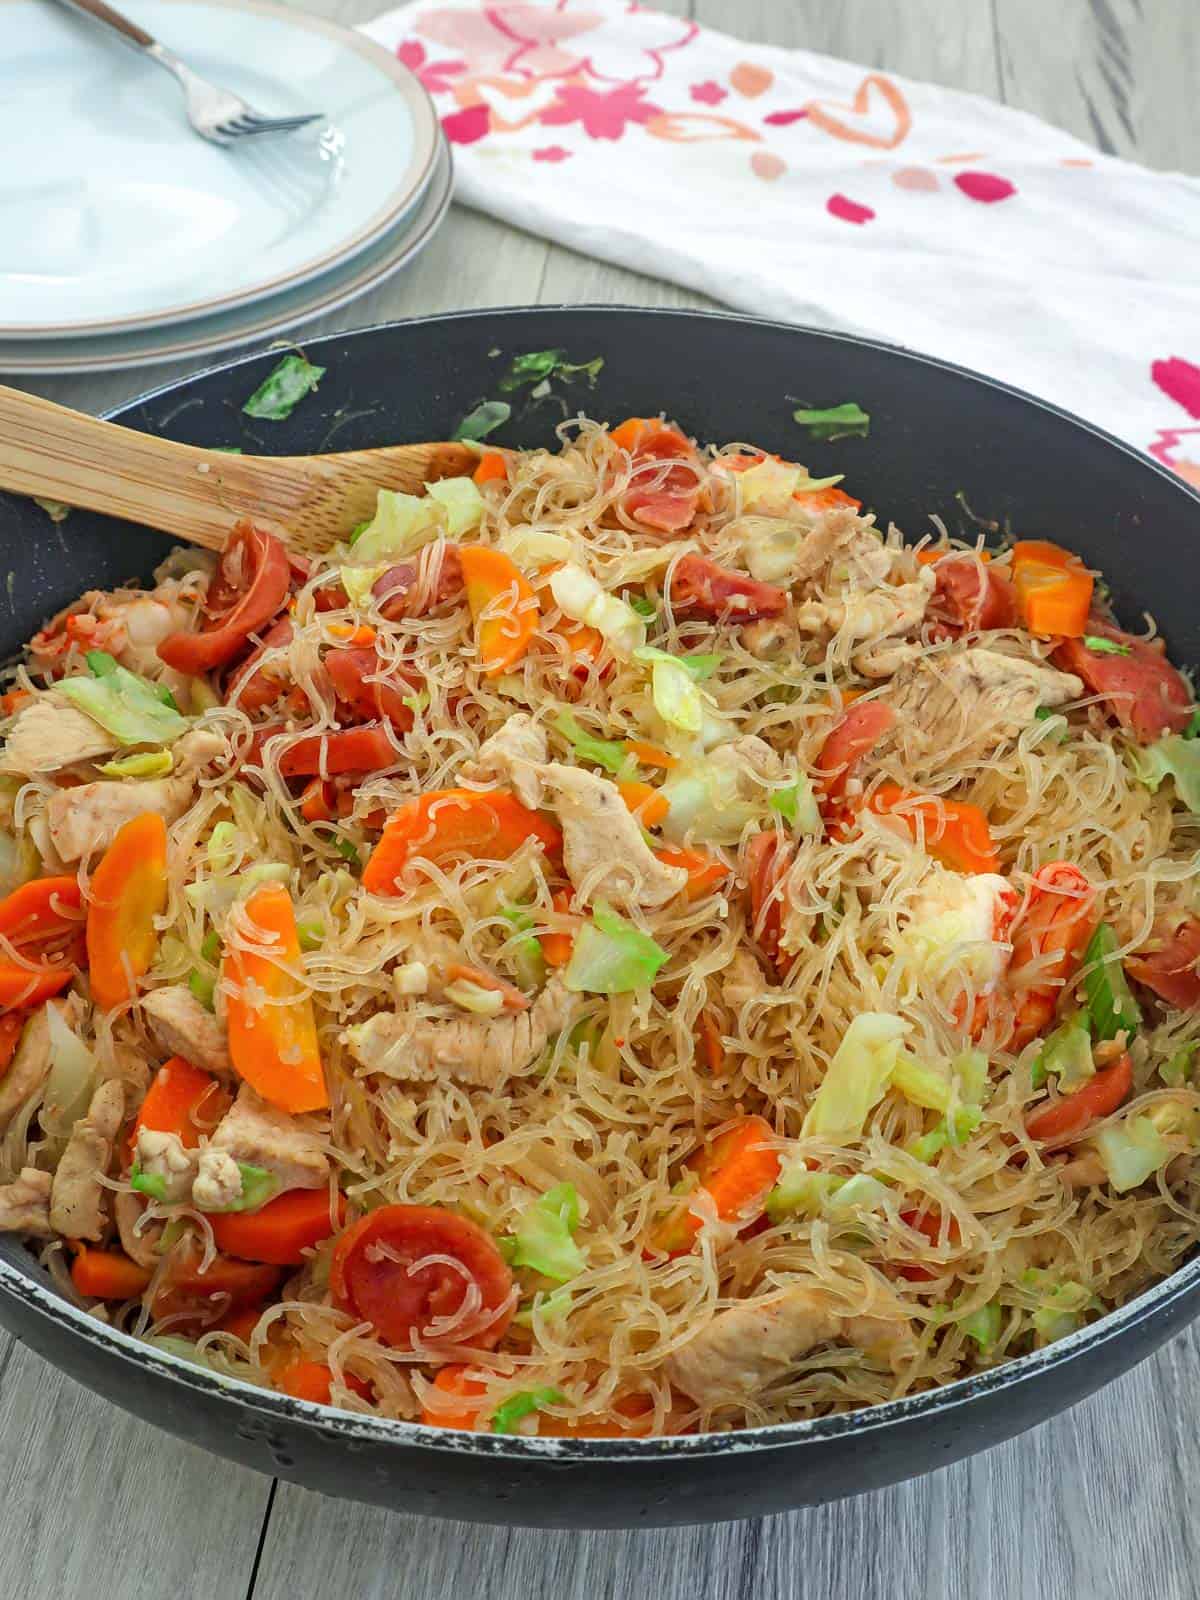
246 324
115 216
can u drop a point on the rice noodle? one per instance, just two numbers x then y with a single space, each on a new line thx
618 1115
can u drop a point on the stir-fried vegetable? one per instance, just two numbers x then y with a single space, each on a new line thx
1054 588
487 416
490 824
845 421
857 1077
578 595
128 891
272 1031
733 1176
1110 1002
503 605
126 706
283 388
1174 757
611 955
543 1238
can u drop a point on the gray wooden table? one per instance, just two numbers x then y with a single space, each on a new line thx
1097 1504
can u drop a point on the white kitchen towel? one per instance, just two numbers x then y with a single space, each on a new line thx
795 186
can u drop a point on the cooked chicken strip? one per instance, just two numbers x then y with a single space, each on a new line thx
253 1132
600 831
78 1199
181 1026
969 704
869 613
749 1346
85 819
483 1054
48 734
509 757
25 1205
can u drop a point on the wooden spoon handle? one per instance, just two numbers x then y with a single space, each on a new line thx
198 495
58 454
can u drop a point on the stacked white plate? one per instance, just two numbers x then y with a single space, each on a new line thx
127 239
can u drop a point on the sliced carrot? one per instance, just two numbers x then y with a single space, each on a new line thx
627 435
711 1043
128 890
108 1275
241 1323
503 605
491 825
557 947
1056 922
737 1170
826 500
646 802
952 831
492 465
224 1285
182 1100
704 871
272 1030
358 635
651 755
42 911
1065 1119
459 1383
313 1380
1054 588
281 1231
24 986
514 1000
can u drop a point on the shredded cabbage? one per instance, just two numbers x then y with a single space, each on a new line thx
1173 757
611 956
126 706
543 1235
857 1078
1132 1151
580 597
462 503
146 764
401 525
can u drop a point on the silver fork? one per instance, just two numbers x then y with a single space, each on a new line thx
215 113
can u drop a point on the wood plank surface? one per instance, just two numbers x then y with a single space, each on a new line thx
1096 1505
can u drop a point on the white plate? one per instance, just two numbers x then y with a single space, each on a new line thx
148 346
114 215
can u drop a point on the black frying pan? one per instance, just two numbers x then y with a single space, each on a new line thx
939 436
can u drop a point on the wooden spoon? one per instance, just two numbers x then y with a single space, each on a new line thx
308 501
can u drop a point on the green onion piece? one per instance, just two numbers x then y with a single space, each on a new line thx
507 1246
612 956
258 1186
848 421
227 449
797 806
100 663
280 393
165 695
204 986
531 368
983 1325
610 754
210 947
485 419
544 1232
646 608
311 934
348 852
357 531
145 764
1044 713
1192 730
1105 647
1110 1002
148 1183
522 1405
